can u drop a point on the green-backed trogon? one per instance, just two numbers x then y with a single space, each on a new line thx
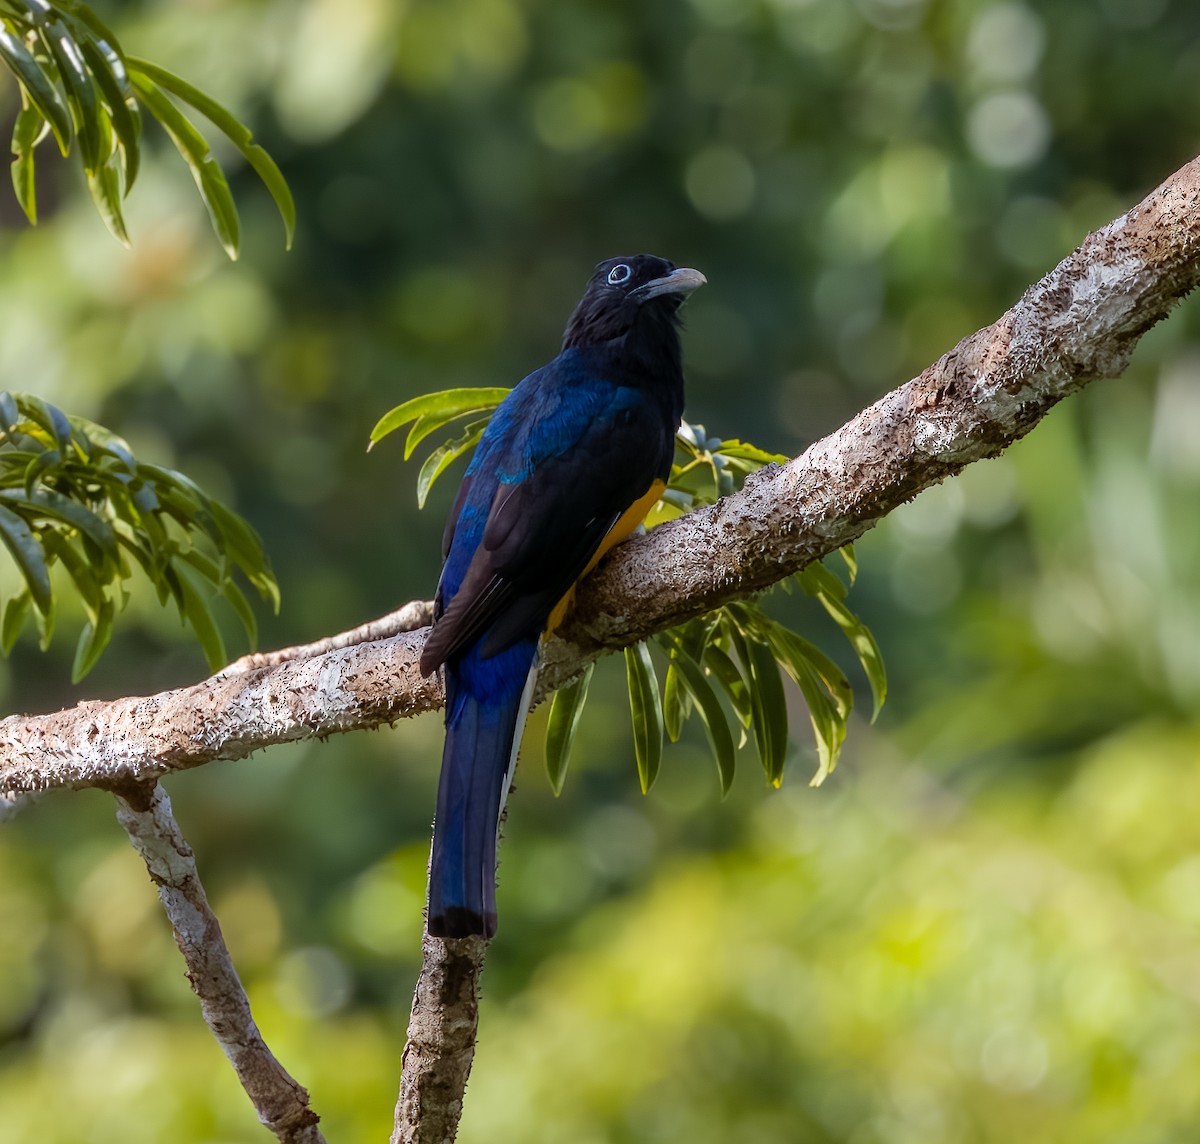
570 463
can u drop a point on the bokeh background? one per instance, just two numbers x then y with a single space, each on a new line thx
986 925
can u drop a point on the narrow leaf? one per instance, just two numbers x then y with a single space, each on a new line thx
712 715
850 559
43 92
28 130
431 411
196 609
24 548
645 707
237 133
826 692
16 611
726 673
93 639
210 179
565 709
766 692
444 455
113 80
83 95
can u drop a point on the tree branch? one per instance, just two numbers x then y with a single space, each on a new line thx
282 1105
441 1041
1078 323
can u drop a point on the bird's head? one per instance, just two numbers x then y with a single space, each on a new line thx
625 290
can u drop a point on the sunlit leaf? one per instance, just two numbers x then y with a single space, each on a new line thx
565 709
431 411
113 80
445 455
831 593
28 130
850 559
41 89
83 95
210 179
236 131
16 611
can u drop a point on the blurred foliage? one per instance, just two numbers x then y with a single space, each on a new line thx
983 926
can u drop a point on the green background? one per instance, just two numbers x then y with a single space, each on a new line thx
986 925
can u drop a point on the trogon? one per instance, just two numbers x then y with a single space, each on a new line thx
570 463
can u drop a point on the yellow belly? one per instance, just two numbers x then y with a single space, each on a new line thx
628 521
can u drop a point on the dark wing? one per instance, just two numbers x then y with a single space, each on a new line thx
542 530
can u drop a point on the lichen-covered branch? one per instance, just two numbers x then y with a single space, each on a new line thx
1077 324
144 810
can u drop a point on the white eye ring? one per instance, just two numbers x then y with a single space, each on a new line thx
619 274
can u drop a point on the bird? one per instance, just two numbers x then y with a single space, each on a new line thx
569 465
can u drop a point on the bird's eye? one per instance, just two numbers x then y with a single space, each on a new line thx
619 274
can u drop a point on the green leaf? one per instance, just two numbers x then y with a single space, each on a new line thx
246 548
826 692
674 698
850 559
645 707
210 179
212 572
93 639
16 611
82 573
42 91
730 678
237 133
816 579
444 455
712 715
770 721
83 95
433 410
52 420
196 609
743 450
104 185
859 635
565 709
113 80
29 556
28 130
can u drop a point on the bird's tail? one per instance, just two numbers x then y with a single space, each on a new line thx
482 740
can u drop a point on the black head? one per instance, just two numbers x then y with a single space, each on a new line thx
627 291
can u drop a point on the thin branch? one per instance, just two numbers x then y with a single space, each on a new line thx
1077 324
441 1041
282 1105
409 618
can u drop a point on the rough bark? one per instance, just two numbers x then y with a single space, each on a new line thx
1079 323
441 1041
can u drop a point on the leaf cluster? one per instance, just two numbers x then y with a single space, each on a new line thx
730 662
73 495
78 85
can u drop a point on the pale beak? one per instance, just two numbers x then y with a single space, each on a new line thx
682 281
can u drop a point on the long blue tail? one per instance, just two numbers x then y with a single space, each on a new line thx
481 735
